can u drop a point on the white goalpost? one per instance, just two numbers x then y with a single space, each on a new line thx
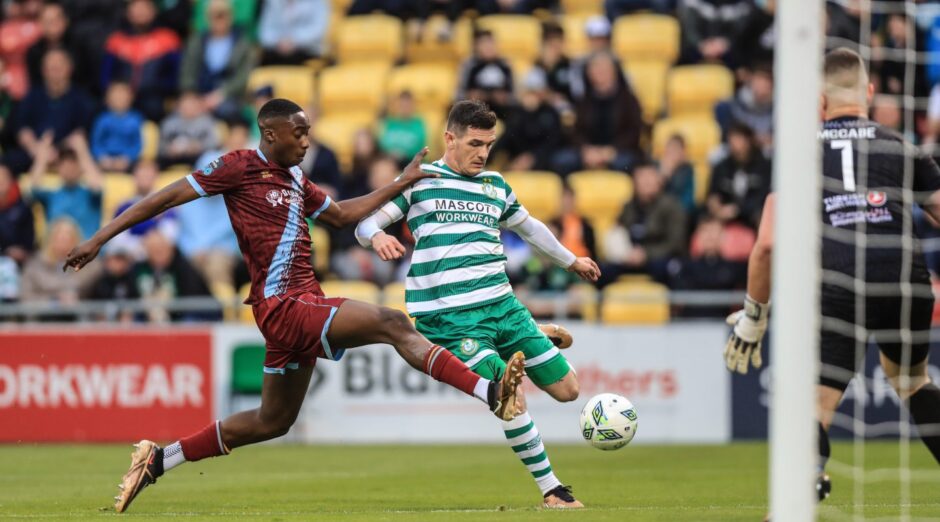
796 276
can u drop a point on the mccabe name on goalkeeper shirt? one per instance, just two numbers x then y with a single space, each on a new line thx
458 260
871 179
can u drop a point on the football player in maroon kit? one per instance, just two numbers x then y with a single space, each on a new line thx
268 200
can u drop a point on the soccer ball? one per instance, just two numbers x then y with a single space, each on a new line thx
608 421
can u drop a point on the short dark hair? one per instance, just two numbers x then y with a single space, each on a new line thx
470 113
741 128
842 58
552 30
479 34
67 154
278 108
643 164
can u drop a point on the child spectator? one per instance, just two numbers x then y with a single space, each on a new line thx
115 137
79 197
402 132
187 133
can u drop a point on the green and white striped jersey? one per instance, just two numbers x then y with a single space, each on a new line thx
458 261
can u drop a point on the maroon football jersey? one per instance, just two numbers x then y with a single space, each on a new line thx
268 205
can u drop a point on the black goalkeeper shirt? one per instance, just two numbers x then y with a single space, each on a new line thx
864 182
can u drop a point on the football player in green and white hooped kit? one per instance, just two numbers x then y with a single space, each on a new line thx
457 288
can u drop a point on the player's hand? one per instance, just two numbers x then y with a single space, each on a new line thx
81 255
586 268
744 343
413 172
387 247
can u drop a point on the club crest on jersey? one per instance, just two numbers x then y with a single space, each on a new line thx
212 167
877 198
469 346
488 189
274 197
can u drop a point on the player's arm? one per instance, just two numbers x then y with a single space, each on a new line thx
370 232
342 213
535 233
177 193
744 344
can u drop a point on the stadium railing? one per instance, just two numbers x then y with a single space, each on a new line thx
209 309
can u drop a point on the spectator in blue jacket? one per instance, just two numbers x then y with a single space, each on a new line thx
115 137
55 106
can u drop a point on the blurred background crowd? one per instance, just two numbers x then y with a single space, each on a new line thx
640 130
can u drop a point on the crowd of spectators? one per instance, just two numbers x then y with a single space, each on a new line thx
80 79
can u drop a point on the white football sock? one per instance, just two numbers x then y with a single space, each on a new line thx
482 390
173 456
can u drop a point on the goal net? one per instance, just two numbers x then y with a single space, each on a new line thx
880 470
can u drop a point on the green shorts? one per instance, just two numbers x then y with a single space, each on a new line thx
485 337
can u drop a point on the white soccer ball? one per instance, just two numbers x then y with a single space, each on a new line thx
608 421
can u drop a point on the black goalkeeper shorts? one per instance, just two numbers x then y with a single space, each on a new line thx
839 351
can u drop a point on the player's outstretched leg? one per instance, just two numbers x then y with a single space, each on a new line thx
281 398
357 324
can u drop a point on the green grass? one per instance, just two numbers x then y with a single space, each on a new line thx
447 483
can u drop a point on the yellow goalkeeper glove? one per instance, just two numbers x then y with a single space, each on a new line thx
743 347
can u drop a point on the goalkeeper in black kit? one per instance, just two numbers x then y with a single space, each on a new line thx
863 214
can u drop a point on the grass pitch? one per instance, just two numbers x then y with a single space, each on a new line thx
447 483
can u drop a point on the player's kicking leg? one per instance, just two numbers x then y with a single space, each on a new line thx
483 338
282 394
346 324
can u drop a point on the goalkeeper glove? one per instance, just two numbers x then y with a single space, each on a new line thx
744 344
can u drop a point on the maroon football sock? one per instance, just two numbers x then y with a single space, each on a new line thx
445 367
205 443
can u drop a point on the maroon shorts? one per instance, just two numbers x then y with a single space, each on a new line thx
294 330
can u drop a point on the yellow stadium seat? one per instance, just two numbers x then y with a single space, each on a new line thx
118 188
294 82
576 40
432 48
338 131
517 36
694 89
352 88
393 296
245 315
632 302
538 191
167 177
150 140
225 295
600 195
321 249
648 80
462 37
359 290
432 85
369 38
646 37
701 135
434 130
582 7
587 295
703 178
